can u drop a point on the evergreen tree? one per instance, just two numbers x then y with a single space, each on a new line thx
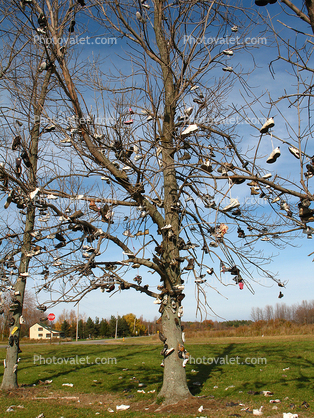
112 326
90 327
123 327
97 327
81 329
73 330
104 328
65 328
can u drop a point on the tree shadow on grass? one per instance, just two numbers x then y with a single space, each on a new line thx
285 369
105 373
259 376
205 370
288 371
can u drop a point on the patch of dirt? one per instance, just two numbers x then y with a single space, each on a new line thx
101 402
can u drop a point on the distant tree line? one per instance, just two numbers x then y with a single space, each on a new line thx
213 325
126 326
302 313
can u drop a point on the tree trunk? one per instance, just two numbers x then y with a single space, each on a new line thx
9 380
310 9
174 386
9 377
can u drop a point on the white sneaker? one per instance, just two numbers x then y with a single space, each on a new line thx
199 280
267 176
227 52
43 66
178 287
138 157
284 206
166 227
99 136
34 193
273 156
307 230
185 362
294 151
50 128
66 141
265 239
139 17
234 203
52 197
190 129
268 124
229 69
207 166
127 233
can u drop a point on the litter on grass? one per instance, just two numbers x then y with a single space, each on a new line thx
122 407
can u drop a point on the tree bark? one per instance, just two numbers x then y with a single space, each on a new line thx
174 386
310 9
9 380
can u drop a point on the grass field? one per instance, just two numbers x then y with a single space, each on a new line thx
230 372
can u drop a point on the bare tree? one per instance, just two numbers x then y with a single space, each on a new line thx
27 91
300 313
160 157
269 312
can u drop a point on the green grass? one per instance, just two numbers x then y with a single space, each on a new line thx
110 385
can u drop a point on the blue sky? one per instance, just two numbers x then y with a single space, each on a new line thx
292 263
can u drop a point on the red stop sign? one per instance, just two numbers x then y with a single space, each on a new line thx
51 317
